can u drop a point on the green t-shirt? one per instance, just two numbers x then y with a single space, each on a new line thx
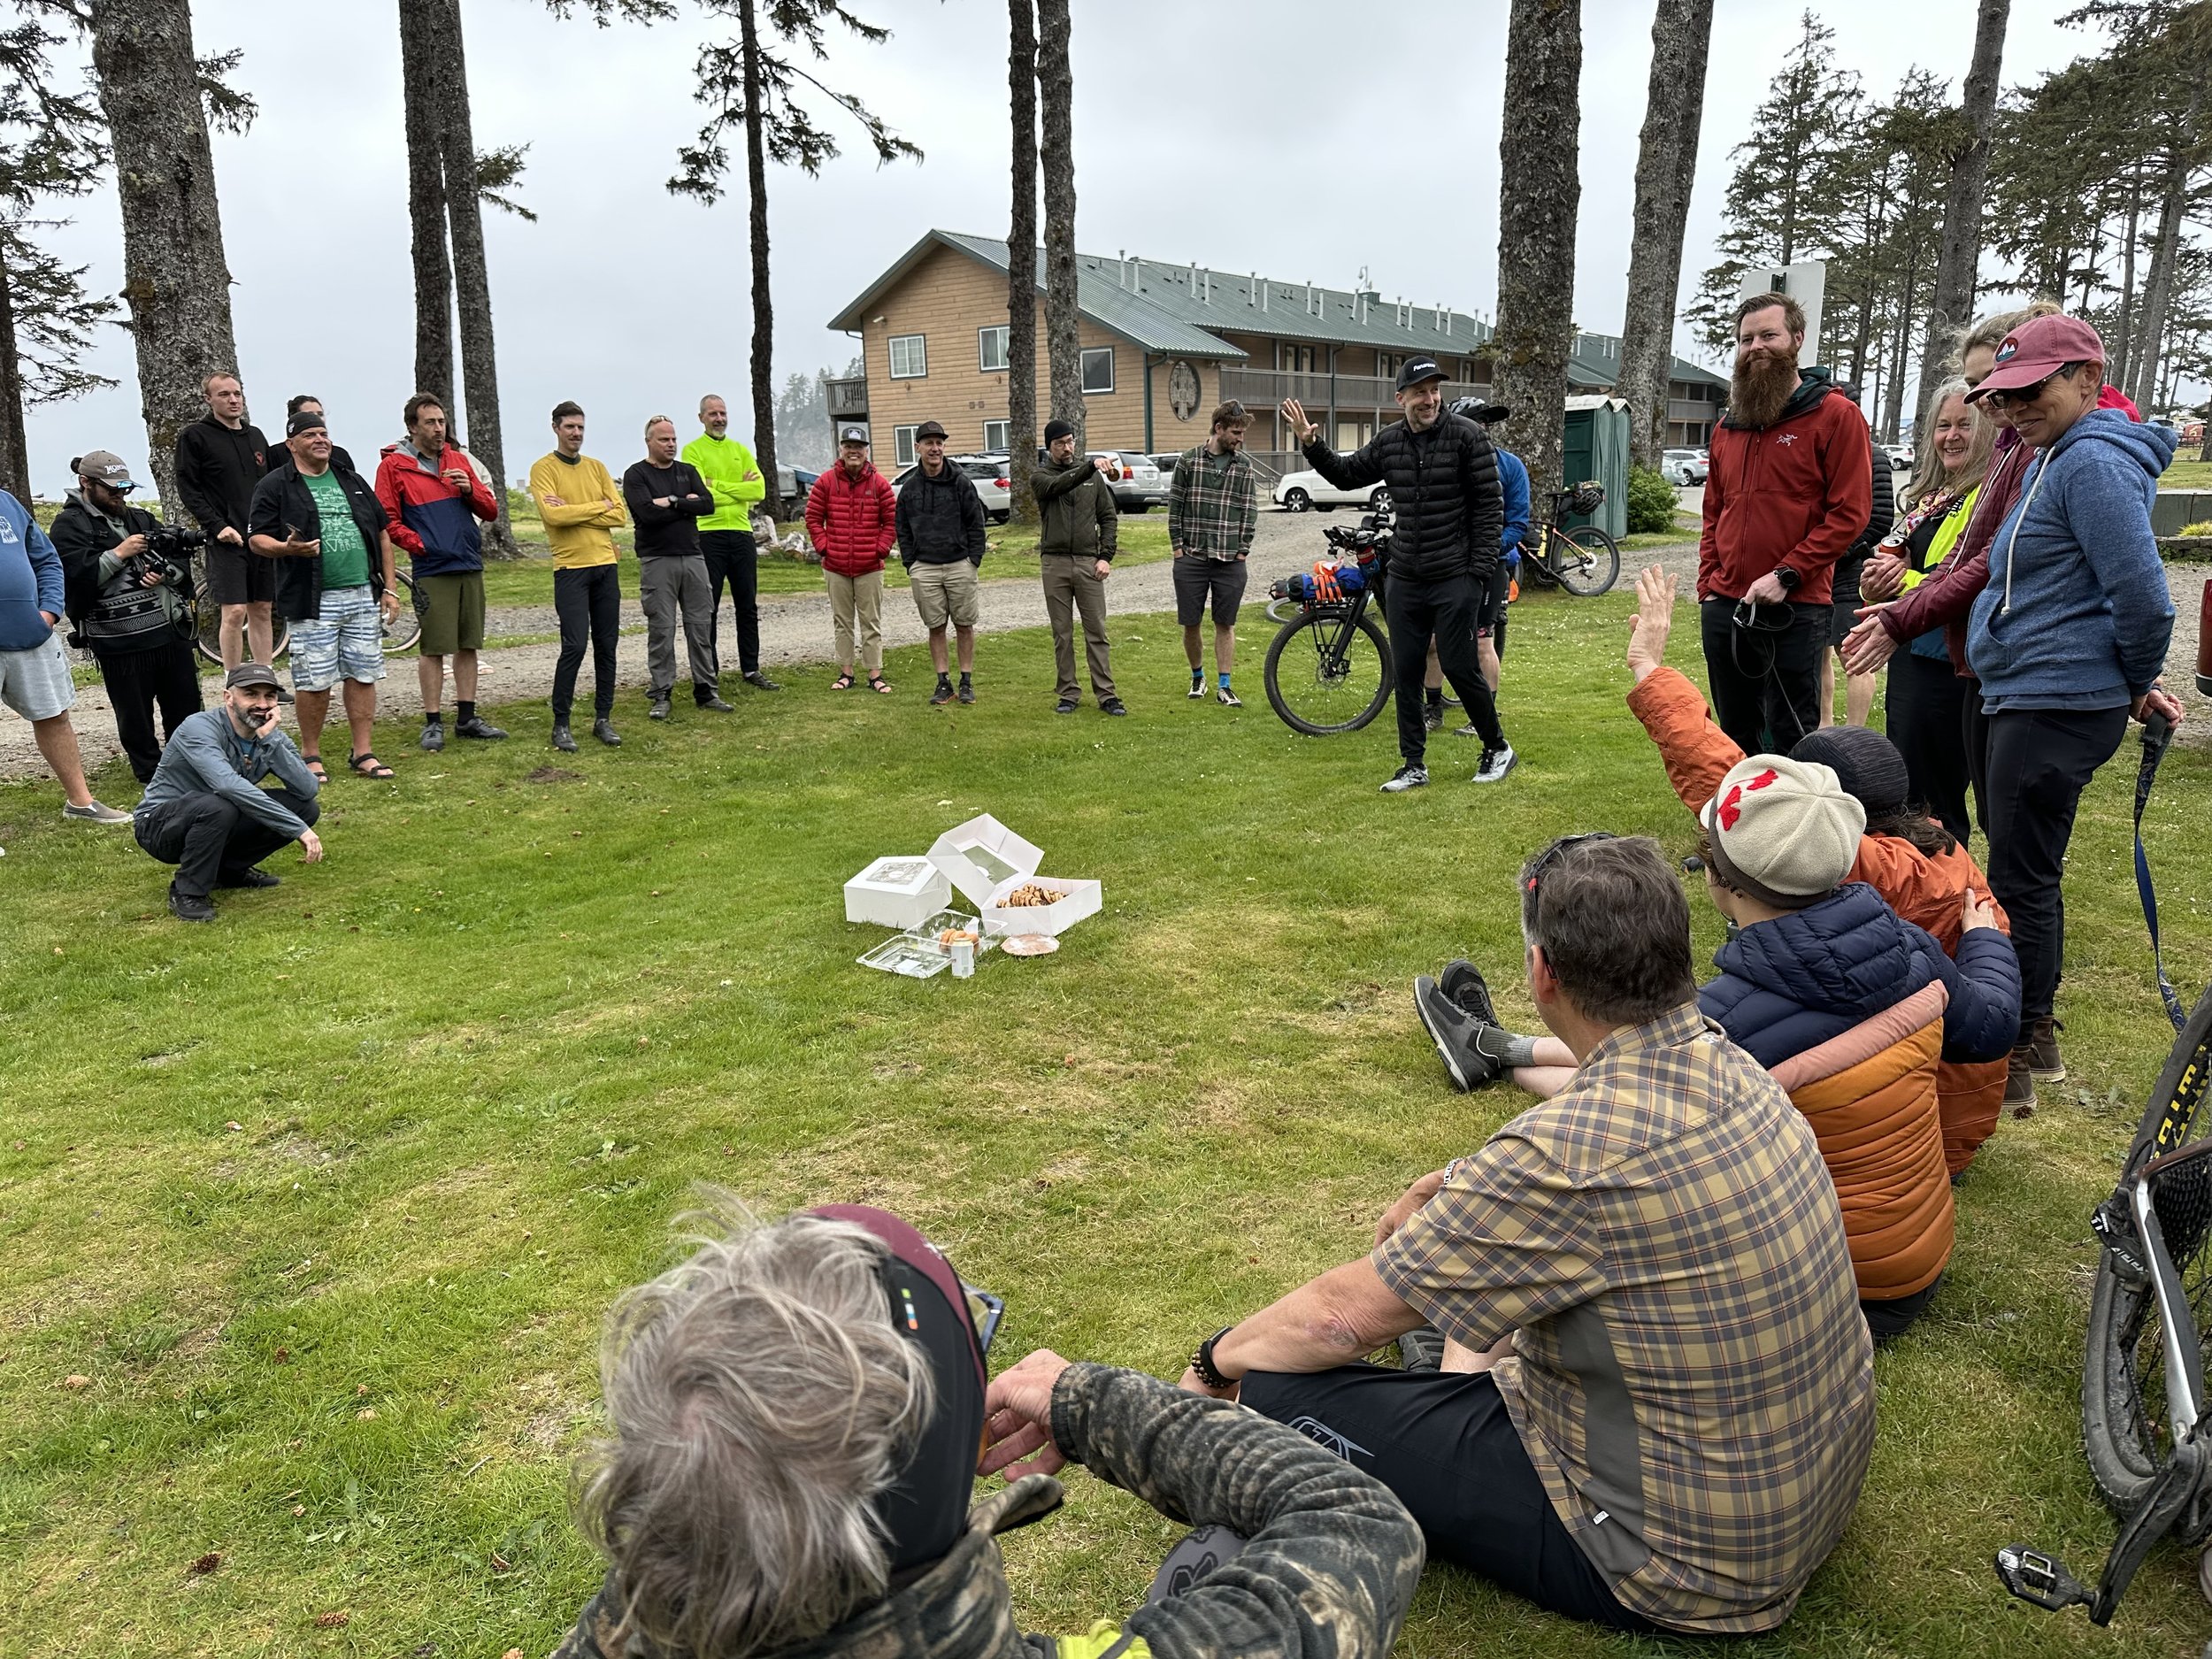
345 556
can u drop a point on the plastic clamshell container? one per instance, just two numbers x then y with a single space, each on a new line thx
900 892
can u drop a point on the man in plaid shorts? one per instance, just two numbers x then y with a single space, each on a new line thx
1658 1404
1212 509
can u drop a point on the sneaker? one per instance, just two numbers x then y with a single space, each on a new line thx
1112 705
1197 692
434 736
1228 699
714 703
2043 1055
283 696
1432 717
966 694
1495 764
1066 705
604 730
942 695
1458 1036
479 728
1467 730
190 907
2020 1080
1422 1349
564 739
1463 983
247 876
95 812
1406 778
759 681
659 710
1450 701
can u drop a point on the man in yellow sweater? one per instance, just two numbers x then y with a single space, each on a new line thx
725 535
581 509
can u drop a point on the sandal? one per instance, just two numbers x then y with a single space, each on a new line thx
877 683
314 764
369 766
843 682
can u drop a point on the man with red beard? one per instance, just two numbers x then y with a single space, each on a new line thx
1789 491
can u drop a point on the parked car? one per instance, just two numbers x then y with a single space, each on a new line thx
1683 467
1166 464
991 482
1900 456
1295 492
1143 485
793 486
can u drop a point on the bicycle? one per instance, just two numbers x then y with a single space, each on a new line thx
1586 562
400 633
1348 679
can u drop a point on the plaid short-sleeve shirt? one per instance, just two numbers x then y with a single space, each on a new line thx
1693 1380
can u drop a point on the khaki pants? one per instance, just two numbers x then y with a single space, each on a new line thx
1072 583
674 591
857 600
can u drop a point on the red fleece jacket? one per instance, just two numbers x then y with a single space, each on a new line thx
1795 494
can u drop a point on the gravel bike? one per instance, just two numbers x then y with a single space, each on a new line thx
1585 562
1328 667
400 633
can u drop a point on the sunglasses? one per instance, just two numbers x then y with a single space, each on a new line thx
1552 855
987 1310
2021 397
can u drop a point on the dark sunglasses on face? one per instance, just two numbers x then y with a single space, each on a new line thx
1557 850
2021 397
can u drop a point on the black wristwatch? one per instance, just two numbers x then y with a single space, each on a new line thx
1203 1361
1790 579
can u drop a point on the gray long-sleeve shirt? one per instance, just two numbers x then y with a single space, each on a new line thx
205 756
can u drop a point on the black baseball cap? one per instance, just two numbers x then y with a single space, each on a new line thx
1413 371
306 421
251 674
928 429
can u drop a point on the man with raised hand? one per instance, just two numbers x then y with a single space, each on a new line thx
725 536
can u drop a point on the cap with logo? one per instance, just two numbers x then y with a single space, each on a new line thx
853 434
305 420
1413 371
2037 350
103 466
251 674
928 429
1783 830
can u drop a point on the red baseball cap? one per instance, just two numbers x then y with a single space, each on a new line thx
2037 350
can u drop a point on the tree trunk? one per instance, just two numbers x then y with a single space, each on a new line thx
2158 285
175 278
1540 192
420 52
15 451
2118 369
1021 259
472 280
764 365
1959 262
1063 323
1894 402
1666 163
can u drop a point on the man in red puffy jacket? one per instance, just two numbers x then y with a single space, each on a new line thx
852 519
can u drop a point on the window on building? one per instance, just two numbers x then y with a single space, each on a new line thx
1294 359
1386 363
909 358
902 445
997 437
1098 369
990 348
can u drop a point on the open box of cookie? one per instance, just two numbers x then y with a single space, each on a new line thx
995 870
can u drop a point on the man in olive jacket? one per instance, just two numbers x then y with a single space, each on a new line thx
1075 549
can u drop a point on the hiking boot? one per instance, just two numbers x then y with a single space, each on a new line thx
1112 705
759 681
2043 1055
95 812
1066 705
564 739
1495 764
944 694
1422 1349
2020 1080
1458 1037
714 703
1228 699
659 710
478 727
1406 778
1432 717
247 876
1463 983
966 694
604 730
434 736
190 907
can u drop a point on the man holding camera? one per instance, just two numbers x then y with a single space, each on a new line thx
205 811
129 593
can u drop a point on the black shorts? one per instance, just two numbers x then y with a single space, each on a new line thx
235 577
1200 582
1445 1444
1844 601
1490 620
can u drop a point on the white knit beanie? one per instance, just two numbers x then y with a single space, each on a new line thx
1783 830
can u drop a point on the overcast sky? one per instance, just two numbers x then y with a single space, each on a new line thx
1303 139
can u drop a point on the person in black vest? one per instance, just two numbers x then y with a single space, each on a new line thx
1450 507
133 609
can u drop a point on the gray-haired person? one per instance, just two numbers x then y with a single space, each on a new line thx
796 1411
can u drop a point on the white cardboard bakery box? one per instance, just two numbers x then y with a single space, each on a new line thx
987 861
901 891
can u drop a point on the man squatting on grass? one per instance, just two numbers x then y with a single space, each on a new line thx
797 1413
1661 1404
581 509
1450 509
939 527
205 810
1212 509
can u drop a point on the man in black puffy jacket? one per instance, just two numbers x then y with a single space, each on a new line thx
940 525
1443 481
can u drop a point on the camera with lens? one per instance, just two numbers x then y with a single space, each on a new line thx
168 546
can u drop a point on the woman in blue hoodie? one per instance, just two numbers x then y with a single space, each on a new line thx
2069 637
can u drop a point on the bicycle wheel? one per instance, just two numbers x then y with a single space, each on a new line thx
1589 563
2125 1430
402 632
1337 676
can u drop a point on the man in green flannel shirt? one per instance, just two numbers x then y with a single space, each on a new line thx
1212 509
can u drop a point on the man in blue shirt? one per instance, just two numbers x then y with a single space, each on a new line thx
205 811
34 668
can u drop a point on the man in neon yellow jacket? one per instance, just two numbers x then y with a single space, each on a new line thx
725 535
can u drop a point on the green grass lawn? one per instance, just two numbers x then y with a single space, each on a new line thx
310 1216
2187 474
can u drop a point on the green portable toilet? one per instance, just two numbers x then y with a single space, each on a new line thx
1597 448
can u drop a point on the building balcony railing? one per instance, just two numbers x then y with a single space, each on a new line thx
1262 390
848 400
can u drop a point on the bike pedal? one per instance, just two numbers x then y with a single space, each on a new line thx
2114 1229
2032 1576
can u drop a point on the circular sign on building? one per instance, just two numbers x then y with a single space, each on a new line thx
1182 389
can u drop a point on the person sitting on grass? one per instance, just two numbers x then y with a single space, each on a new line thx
796 1415
1677 1437
1849 1007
